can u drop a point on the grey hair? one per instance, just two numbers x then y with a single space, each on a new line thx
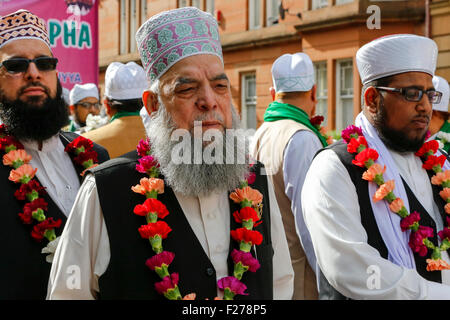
154 87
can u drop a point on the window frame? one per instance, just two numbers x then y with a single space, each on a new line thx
244 104
339 96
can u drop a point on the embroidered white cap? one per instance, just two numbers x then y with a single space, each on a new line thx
395 54
125 81
293 73
441 85
81 91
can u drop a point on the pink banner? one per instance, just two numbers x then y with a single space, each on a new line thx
73 32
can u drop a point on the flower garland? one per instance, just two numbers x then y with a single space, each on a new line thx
156 230
316 122
30 189
419 238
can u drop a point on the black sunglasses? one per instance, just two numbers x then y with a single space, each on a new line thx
17 65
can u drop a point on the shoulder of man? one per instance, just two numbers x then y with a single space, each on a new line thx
102 153
125 161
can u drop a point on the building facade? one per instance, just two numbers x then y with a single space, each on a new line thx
255 32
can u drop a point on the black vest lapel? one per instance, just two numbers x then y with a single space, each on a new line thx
65 139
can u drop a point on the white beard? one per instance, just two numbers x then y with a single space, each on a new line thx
192 179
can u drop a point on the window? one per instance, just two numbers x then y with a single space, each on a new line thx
134 20
206 5
248 103
317 4
320 72
210 6
132 14
123 27
344 94
271 12
343 1
143 11
254 14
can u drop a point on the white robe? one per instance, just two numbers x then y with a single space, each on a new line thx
332 215
84 244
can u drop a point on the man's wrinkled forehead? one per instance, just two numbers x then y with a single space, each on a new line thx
193 70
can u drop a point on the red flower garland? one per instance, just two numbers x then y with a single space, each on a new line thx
30 189
156 230
418 242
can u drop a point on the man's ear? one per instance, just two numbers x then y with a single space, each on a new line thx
272 93
150 100
313 94
72 108
107 107
371 97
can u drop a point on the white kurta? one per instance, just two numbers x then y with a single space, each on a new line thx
332 215
84 244
55 171
298 154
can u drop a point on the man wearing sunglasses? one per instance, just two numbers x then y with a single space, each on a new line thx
33 112
364 248
84 100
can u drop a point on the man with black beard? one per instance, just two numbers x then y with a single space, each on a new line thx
366 246
32 111
189 99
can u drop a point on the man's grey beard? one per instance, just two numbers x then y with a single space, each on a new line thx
196 179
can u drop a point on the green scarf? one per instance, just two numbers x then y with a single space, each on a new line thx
123 114
281 111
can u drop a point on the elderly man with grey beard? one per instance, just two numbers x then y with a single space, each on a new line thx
213 226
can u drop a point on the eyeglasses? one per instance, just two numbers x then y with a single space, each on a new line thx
89 105
18 65
415 94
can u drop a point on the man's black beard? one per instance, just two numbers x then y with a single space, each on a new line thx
26 121
394 139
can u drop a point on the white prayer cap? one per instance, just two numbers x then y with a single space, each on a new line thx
293 73
65 95
125 81
395 54
81 91
441 85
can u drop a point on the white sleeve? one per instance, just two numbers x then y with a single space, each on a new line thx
283 274
83 252
349 263
298 155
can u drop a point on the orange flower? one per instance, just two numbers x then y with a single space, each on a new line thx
374 170
447 208
148 185
190 296
437 265
440 177
396 205
246 194
22 174
383 190
16 156
445 194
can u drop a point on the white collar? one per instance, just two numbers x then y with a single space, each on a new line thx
47 145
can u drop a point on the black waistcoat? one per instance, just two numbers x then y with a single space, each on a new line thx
23 266
127 277
326 291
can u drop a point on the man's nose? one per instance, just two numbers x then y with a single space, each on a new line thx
206 99
32 72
